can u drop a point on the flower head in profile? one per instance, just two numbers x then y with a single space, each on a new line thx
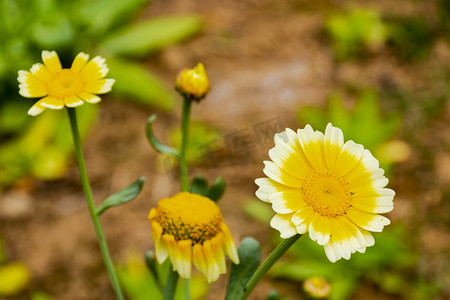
333 190
64 87
193 83
190 228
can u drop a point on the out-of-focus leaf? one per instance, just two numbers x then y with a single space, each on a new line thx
13 278
40 296
258 210
53 33
102 15
123 196
273 295
136 280
355 31
203 141
343 287
12 117
250 256
152 266
217 189
199 185
136 82
152 35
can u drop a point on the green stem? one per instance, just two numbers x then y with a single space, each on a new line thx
169 291
171 286
268 263
90 202
184 179
184 143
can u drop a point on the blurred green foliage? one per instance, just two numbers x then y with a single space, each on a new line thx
354 32
40 146
201 138
390 264
357 32
410 38
364 124
139 284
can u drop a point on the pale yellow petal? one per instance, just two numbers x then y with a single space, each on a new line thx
185 248
287 159
72 101
41 72
287 202
274 172
90 98
211 265
79 62
36 109
302 219
53 103
320 229
51 61
349 157
312 144
283 224
333 142
95 69
229 246
199 259
100 86
268 186
368 221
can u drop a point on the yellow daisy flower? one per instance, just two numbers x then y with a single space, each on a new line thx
189 228
333 190
64 87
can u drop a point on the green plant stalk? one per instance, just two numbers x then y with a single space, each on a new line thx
184 179
171 286
90 202
169 291
268 263
184 144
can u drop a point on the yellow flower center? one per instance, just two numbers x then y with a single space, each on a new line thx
327 194
65 83
189 216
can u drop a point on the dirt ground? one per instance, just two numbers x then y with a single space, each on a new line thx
265 59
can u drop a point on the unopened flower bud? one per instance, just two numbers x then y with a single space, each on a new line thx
193 83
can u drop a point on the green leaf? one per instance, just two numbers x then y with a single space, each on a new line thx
217 189
273 295
102 15
250 256
199 185
123 196
157 145
136 83
152 35
152 266
258 210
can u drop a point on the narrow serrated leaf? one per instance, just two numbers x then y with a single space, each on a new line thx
123 196
250 256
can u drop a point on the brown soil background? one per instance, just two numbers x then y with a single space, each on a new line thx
265 59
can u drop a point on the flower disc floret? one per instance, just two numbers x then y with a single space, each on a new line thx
64 87
333 190
190 228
